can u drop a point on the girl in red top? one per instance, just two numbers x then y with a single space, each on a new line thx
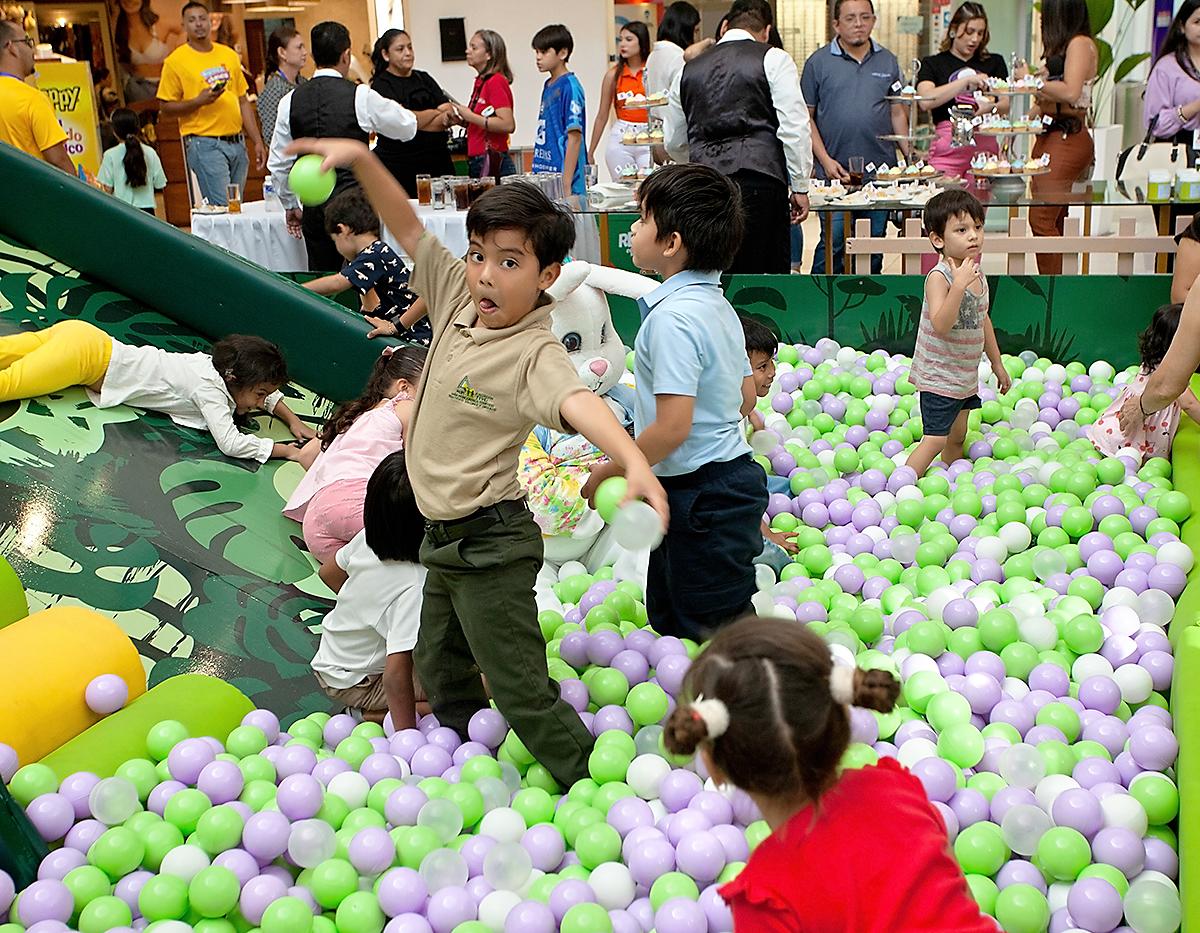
489 116
629 138
863 851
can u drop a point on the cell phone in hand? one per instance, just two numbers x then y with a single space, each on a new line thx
219 86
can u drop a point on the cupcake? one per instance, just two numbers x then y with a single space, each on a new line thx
1018 166
643 138
992 167
656 135
1004 168
629 137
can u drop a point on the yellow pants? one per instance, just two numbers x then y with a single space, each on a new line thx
71 353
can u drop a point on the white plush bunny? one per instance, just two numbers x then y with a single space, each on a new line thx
554 466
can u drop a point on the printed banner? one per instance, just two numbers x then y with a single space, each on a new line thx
69 87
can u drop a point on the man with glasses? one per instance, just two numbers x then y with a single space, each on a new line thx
846 85
27 118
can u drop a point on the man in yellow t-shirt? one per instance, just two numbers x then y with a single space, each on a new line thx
27 119
202 85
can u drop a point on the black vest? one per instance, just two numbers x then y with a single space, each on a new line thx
324 108
731 117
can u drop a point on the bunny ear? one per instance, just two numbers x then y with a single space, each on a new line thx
573 275
620 282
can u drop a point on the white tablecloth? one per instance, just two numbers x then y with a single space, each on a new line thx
262 236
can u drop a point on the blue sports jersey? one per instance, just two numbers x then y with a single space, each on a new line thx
562 110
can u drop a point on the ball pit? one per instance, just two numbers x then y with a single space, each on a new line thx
1021 598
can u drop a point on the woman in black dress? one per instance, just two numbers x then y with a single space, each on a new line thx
427 153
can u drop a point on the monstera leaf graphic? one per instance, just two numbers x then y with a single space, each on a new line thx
66 423
233 511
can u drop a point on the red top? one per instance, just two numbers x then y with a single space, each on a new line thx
876 860
492 91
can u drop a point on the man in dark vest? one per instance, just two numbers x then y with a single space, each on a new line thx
738 108
329 105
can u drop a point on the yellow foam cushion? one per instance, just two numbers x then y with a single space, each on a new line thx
46 662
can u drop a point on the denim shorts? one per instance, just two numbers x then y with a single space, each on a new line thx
938 412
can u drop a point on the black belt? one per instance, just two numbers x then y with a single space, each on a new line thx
233 138
477 521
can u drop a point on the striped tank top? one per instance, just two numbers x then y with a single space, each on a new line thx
949 365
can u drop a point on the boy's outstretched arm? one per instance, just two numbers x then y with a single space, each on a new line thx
328 284
383 191
588 414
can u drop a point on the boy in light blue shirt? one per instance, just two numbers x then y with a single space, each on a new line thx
694 387
562 115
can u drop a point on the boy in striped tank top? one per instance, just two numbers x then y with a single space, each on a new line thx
955 330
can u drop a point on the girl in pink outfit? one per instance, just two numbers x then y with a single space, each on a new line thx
1154 436
361 433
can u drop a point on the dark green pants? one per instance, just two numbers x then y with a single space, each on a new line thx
479 616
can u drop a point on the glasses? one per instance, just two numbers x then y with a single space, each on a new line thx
29 42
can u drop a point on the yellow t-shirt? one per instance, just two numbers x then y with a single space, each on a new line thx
186 73
27 118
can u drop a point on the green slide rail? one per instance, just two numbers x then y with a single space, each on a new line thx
188 279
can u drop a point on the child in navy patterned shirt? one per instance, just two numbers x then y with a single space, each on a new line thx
373 269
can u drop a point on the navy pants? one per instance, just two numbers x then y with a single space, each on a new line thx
702 575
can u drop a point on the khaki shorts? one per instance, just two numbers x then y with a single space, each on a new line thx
368 694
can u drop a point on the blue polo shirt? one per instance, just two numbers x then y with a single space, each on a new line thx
691 343
848 98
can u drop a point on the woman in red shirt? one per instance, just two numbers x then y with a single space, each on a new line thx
629 139
489 115
863 851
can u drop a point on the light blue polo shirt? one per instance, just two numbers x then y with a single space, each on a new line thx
691 343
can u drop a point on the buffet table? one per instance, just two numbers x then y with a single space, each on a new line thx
261 235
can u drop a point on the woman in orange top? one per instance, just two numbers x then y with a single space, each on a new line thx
628 140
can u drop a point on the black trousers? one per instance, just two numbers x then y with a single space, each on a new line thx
767 240
322 254
702 575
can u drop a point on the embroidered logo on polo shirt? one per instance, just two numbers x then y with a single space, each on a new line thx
464 392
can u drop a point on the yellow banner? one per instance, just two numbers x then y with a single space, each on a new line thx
69 87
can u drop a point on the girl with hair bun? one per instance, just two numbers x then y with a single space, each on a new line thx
858 850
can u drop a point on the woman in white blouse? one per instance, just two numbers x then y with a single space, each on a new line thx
678 41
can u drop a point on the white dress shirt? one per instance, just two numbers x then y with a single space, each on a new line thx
375 114
184 386
795 128
664 63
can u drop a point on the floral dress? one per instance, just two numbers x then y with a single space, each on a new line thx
1153 438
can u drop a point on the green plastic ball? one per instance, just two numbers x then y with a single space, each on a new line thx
163 897
32 781
980 849
164 736
213 891
1022 908
311 183
586 918
185 807
287 915
86 883
647 704
671 885
104 914
117 852
1062 853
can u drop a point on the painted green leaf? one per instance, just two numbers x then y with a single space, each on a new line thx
229 509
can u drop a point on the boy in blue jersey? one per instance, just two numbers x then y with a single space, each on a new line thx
562 117
694 387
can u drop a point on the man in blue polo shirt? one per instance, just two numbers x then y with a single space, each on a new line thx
846 85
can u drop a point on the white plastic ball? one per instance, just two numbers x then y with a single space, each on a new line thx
495 908
993 549
1177 553
352 787
507 866
762 443
1122 620
1126 812
1056 373
658 809
1023 825
1090 665
915 750
613 885
1057 896
185 862
1014 687
445 868
1033 374
825 458
311 842
571 568
846 355
443 817
1050 787
1039 632
1119 596
533 879
646 773
885 500
1135 682
764 576
504 824
1102 371
909 492
1016 537
1155 606
637 526
1022 766
1150 874
875 533
920 662
113 800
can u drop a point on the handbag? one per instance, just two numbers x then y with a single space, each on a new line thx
1151 155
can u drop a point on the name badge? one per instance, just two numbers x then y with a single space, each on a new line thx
896 86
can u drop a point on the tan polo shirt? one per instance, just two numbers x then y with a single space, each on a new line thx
483 391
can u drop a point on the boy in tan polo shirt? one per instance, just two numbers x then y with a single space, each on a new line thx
494 371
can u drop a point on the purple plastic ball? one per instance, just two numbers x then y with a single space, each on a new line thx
106 694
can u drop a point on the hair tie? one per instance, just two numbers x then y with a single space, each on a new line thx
388 351
715 715
841 684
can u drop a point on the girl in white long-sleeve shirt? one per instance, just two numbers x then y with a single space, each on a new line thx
196 390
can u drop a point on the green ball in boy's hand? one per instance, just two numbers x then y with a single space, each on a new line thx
311 184
609 496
